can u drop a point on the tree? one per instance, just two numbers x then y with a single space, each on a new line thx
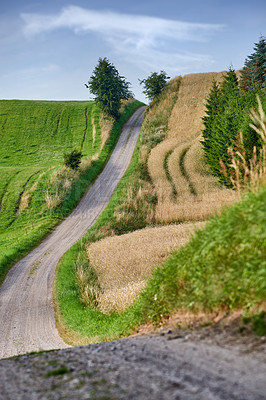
108 87
228 114
254 71
154 84
222 122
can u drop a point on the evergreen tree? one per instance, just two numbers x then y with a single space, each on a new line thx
212 111
254 71
108 87
222 122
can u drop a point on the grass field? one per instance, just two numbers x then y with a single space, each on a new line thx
36 191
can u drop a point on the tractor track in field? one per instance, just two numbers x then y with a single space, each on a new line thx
26 305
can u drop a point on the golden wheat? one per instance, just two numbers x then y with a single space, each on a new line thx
157 171
185 121
198 194
123 263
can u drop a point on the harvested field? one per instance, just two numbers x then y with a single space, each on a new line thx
185 121
123 263
177 164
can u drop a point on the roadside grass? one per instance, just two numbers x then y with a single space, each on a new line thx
36 193
222 267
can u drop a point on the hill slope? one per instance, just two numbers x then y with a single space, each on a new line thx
33 138
36 192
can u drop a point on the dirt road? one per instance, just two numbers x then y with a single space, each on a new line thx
26 311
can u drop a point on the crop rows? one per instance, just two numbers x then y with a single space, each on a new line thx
34 135
185 189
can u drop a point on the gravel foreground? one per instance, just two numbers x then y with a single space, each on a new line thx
141 367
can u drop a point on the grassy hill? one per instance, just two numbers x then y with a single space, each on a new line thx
208 274
36 191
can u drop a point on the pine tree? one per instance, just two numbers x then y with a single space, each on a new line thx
212 111
254 71
221 123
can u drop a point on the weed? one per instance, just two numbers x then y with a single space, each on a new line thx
257 322
59 371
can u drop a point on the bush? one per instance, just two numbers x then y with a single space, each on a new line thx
72 159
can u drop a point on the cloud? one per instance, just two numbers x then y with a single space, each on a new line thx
141 40
142 30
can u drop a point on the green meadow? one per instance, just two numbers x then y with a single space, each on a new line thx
34 135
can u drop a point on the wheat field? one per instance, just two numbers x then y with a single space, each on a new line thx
179 156
123 263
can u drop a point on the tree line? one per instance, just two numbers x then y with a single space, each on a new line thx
227 120
109 87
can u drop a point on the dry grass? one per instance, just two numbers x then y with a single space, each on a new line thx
93 130
27 195
185 121
61 182
157 171
106 124
123 263
198 194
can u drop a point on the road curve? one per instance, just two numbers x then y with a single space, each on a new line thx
26 308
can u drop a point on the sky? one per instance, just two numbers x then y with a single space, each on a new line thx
50 48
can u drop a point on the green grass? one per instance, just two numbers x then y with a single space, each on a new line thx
59 371
33 137
222 268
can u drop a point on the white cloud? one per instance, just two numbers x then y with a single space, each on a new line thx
143 31
143 41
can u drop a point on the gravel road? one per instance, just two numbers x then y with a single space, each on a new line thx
26 310
141 368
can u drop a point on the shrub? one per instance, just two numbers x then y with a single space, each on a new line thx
72 159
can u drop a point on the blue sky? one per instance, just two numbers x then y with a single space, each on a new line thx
50 48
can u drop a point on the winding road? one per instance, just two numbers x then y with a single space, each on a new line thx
26 307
